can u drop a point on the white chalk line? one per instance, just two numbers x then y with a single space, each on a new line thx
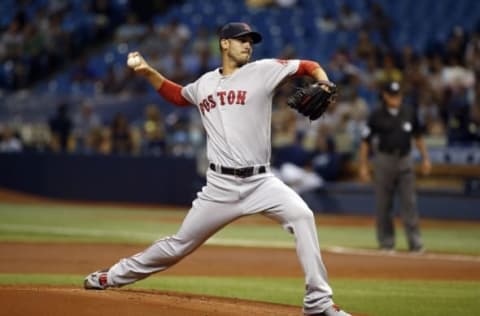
402 254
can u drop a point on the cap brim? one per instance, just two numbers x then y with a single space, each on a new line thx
256 37
392 92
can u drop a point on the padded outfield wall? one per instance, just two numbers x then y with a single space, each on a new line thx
175 181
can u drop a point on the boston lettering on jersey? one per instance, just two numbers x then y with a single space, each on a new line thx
229 97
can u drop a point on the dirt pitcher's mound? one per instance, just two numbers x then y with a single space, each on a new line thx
61 301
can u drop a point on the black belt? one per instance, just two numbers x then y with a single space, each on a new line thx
239 172
394 152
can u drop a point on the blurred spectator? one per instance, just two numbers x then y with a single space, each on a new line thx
82 71
435 75
131 84
99 141
178 140
153 132
202 40
472 53
113 81
151 45
428 110
364 49
379 21
84 123
326 162
132 30
299 179
353 110
456 76
348 19
415 77
9 142
12 41
58 42
175 34
197 135
407 57
458 111
202 63
121 135
430 117
174 67
103 14
389 71
455 46
327 23
61 128
35 53
202 59
329 122
474 126
284 123
11 47
367 75
341 66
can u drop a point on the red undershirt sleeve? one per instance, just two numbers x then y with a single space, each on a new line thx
306 68
172 92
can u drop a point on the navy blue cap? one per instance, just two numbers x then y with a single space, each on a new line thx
392 87
237 29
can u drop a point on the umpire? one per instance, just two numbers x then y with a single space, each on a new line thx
389 132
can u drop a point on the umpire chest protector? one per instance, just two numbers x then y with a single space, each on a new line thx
394 130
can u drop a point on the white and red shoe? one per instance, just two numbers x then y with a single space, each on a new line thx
96 280
333 310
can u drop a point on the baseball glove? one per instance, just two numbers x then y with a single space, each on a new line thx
313 100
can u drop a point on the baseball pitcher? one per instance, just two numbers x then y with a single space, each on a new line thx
235 102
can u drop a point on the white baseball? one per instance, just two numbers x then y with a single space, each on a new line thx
133 62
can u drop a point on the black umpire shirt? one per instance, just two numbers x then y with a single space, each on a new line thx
394 132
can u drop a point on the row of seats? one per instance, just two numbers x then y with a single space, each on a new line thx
415 23
418 23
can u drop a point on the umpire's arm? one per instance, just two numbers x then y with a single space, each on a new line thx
426 165
363 171
368 131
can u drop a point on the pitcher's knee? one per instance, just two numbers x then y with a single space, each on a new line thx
302 215
306 214
303 219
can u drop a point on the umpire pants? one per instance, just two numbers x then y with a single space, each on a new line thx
396 175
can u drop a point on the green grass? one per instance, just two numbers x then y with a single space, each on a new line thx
65 223
123 225
372 297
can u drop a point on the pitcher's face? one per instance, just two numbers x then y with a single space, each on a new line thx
239 49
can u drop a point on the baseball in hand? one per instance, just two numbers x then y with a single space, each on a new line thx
133 62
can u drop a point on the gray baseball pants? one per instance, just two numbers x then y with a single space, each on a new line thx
224 199
392 175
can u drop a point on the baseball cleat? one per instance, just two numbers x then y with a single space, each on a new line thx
417 250
387 250
96 280
333 310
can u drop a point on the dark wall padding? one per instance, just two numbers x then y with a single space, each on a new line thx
102 178
174 181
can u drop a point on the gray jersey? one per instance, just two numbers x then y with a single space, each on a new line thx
231 105
236 112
